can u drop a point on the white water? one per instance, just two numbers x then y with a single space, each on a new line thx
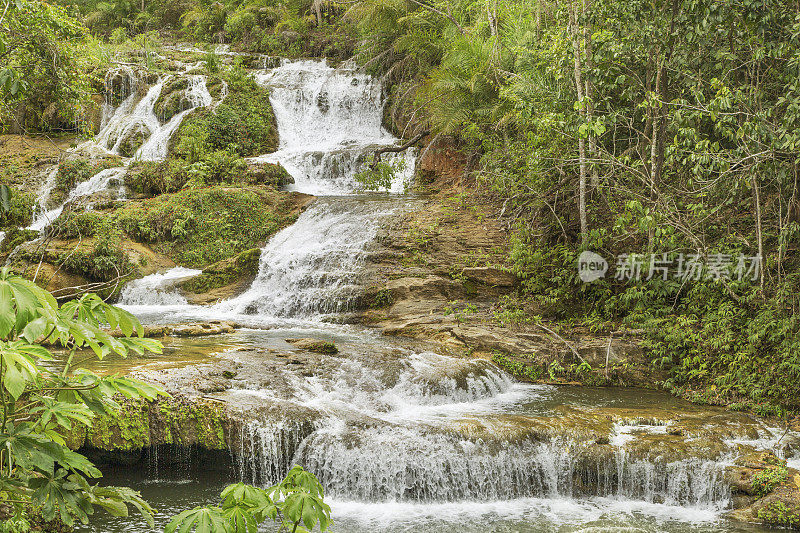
313 266
329 122
157 145
99 182
156 289
132 116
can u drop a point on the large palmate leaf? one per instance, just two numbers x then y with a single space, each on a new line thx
18 361
21 302
200 520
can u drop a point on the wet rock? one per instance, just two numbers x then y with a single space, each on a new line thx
133 140
740 479
493 277
200 329
223 279
314 345
269 174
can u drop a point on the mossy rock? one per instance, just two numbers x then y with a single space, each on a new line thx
133 140
16 236
200 227
141 424
225 272
172 99
269 174
315 345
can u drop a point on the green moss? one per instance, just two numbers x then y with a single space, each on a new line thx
198 227
172 99
202 424
383 298
15 237
322 347
225 272
128 430
132 142
779 514
140 424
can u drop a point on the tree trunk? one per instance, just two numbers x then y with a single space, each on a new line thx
577 50
759 236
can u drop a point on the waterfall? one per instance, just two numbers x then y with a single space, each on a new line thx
99 182
330 123
313 266
157 145
424 429
157 289
133 116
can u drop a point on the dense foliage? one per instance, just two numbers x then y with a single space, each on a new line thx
652 127
295 504
45 397
44 81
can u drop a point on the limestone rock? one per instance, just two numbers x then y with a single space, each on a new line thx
201 329
494 277
314 345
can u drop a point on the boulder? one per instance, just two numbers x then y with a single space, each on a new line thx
315 345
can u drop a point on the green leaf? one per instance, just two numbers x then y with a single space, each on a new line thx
200 520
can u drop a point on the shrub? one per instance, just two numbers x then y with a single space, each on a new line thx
766 480
152 178
21 209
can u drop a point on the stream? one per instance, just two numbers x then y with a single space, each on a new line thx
403 439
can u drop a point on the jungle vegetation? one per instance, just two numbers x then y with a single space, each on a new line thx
663 128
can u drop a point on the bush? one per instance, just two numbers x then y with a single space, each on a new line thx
152 178
766 480
21 209
77 224
243 123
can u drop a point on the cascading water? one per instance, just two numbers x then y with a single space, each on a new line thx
157 145
134 116
313 266
330 123
155 289
407 441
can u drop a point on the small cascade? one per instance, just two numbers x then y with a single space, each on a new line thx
101 181
313 266
157 289
265 450
330 122
398 431
157 145
132 119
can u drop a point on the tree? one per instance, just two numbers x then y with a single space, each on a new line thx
41 404
40 66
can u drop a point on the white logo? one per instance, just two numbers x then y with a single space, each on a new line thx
591 266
